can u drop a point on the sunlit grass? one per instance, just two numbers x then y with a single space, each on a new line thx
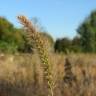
19 74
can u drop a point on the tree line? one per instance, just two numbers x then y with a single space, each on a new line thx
85 41
13 39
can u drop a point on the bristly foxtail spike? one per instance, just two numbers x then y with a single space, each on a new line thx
33 35
26 23
22 19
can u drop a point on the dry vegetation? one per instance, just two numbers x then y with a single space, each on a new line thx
22 75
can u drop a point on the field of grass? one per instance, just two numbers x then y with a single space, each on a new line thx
22 75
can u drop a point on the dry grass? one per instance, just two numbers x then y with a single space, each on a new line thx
22 75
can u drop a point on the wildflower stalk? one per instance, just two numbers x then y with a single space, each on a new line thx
34 36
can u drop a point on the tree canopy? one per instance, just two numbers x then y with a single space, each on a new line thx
13 39
87 33
85 41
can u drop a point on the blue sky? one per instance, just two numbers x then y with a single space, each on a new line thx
60 18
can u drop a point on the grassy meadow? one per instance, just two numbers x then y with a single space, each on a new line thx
22 75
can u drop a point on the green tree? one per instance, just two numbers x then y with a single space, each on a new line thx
76 44
63 45
10 37
87 33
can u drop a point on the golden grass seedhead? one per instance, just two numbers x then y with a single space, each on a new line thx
33 35
24 20
26 23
